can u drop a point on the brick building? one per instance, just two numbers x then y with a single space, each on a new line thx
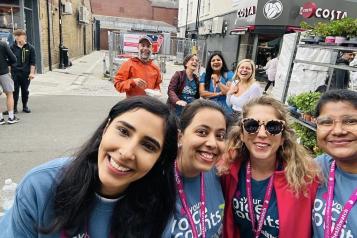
41 19
153 16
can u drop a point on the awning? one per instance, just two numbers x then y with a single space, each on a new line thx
241 30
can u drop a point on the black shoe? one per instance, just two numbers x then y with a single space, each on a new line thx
2 121
7 113
13 120
26 109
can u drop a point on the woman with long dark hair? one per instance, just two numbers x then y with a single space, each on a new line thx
199 204
214 83
120 183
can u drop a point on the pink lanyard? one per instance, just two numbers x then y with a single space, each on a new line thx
250 201
187 209
344 213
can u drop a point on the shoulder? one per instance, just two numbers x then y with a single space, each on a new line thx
202 77
230 75
43 176
324 162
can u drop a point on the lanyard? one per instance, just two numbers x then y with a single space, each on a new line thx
183 199
65 235
250 201
344 213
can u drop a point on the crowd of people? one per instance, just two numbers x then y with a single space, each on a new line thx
219 159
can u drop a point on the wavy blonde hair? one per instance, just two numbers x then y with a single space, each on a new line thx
252 77
299 167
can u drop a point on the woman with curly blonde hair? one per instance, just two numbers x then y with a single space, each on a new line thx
269 180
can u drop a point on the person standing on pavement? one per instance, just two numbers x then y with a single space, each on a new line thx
243 88
215 82
7 58
271 68
341 77
138 73
183 87
119 184
335 208
24 69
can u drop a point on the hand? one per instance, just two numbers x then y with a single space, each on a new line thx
232 89
181 103
140 82
31 76
215 78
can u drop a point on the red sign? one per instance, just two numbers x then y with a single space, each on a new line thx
308 9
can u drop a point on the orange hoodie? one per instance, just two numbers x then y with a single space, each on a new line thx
135 68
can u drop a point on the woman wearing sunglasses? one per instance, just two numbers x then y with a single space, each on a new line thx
269 182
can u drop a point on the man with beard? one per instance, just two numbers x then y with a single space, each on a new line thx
138 73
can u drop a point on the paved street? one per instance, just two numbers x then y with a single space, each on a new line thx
67 105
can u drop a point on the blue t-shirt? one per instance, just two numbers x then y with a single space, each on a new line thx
33 205
221 100
241 211
345 184
188 94
179 225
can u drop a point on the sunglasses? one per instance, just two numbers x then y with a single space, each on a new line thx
272 127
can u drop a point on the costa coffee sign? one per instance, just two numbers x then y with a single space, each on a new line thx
246 12
310 9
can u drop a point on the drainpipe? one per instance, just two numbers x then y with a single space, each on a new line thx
61 63
49 35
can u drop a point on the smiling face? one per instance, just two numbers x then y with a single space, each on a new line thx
202 141
245 71
131 144
192 63
216 63
339 141
145 50
262 146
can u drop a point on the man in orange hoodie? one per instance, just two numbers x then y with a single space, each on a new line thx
138 73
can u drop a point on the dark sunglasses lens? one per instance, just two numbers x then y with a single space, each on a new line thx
251 125
274 127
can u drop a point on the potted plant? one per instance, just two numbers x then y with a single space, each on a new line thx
310 36
306 102
325 30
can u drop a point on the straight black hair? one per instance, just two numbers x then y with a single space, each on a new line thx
209 69
338 95
148 202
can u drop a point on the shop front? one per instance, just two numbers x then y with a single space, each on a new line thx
20 14
261 24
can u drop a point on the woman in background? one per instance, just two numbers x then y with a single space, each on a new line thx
214 83
243 88
184 85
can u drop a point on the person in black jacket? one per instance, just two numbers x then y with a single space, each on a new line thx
24 70
7 58
341 77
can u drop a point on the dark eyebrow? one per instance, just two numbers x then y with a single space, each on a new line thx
209 128
127 125
152 140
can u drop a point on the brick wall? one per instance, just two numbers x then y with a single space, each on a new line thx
74 34
140 9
